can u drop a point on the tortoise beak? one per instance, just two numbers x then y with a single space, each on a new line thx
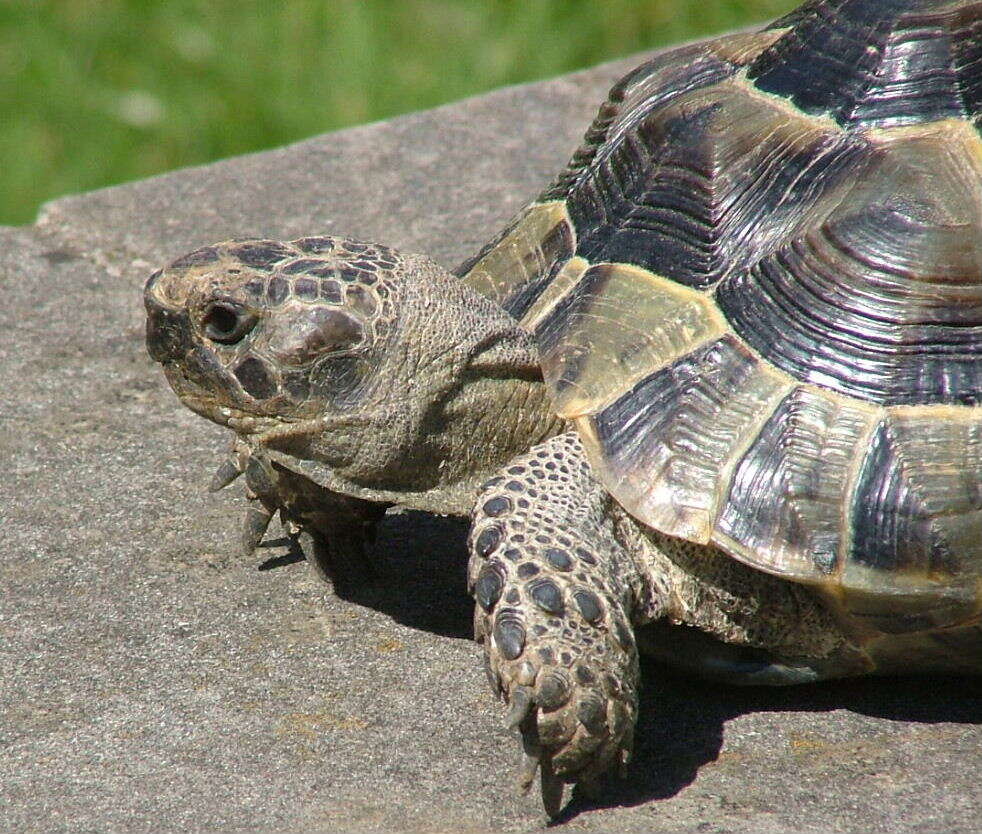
168 325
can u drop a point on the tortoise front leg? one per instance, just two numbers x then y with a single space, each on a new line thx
334 532
555 593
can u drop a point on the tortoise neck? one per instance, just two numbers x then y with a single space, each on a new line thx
462 395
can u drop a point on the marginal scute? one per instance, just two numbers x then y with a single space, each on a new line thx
665 446
562 282
790 490
916 514
518 266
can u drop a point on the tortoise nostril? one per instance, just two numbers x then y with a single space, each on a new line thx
227 323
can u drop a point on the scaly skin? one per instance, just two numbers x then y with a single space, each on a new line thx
355 378
557 594
563 578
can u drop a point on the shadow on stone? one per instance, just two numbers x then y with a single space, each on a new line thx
420 564
280 561
419 570
420 561
682 718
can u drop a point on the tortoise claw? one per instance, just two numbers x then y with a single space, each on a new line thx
552 788
225 474
520 704
534 759
527 770
257 520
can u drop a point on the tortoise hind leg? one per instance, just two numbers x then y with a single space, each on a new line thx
556 593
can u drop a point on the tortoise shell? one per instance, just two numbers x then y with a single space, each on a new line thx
757 291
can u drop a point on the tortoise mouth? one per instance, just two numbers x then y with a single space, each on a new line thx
205 402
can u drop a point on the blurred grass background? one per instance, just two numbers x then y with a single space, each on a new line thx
95 92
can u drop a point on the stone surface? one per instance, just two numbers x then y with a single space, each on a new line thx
152 680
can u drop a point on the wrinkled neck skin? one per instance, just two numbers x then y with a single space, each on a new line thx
459 394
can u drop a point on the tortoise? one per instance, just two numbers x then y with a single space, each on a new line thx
715 395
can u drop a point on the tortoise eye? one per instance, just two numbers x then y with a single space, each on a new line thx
226 322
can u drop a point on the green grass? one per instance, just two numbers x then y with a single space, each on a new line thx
95 92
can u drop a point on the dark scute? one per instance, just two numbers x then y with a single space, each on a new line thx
589 605
488 541
649 86
559 559
301 265
297 386
878 63
546 594
585 556
331 291
584 675
488 588
349 274
592 714
255 287
315 245
769 469
497 506
527 570
205 255
261 254
552 690
255 378
892 529
655 407
556 250
278 290
509 633
670 193
325 330
883 304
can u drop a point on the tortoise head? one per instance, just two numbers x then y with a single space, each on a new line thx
355 346
257 332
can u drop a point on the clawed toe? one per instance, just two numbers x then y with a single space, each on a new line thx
571 729
553 613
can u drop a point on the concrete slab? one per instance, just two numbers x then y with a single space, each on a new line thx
151 680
